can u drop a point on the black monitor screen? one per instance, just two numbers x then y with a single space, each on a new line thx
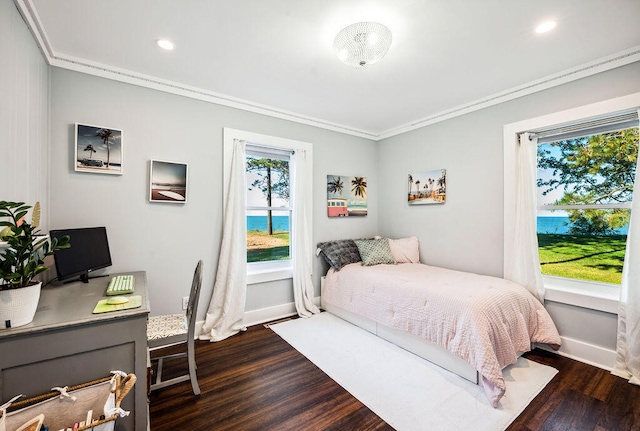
89 251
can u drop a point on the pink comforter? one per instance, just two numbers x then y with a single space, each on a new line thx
486 321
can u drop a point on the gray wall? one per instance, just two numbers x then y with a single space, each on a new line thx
467 232
166 240
24 86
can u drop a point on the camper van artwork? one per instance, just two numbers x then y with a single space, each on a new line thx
346 196
428 187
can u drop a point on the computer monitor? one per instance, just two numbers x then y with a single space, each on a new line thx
89 251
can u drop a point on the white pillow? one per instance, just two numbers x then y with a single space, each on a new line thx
404 250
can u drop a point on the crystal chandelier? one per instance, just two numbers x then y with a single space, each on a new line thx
362 44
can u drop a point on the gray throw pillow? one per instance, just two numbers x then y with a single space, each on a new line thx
339 253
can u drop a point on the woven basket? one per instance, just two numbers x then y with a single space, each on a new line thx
101 396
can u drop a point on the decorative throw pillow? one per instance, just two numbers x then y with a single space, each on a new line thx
339 253
405 250
375 251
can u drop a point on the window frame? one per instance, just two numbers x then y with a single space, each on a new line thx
281 267
262 272
582 293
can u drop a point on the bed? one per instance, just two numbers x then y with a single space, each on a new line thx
470 324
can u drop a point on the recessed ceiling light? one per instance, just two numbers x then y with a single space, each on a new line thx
545 26
166 44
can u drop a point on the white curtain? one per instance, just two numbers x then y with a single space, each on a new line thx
628 343
523 265
226 310
303 292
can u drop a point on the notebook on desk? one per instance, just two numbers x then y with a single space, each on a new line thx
102 306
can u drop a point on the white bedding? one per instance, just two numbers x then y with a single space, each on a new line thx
486 321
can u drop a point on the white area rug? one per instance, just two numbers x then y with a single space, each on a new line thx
408 392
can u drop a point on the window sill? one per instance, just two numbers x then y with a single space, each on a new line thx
265 275
595 296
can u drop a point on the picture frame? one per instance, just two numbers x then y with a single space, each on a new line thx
427 188
346 196
105 148
168 181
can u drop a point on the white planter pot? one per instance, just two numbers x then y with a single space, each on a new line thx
18 306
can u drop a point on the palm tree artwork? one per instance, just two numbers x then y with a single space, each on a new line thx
90 149
433 189
410 185
335 185
106 135
442 181
346 196
359 186
104 145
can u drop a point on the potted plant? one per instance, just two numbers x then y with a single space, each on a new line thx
21 260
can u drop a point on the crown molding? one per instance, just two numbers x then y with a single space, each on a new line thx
30 15
148 81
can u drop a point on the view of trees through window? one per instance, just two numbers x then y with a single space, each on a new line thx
585 187
268 211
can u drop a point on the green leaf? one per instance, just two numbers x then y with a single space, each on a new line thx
20 214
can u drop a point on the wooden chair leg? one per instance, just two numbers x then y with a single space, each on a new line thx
159 372
191 356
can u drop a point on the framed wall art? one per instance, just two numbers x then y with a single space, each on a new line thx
167 182
98 149
346 196
428 187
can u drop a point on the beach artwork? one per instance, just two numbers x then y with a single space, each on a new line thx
98 149
428 187
346 196
168 182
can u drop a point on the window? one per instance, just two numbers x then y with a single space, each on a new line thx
271 180
585 186
268 210
582 293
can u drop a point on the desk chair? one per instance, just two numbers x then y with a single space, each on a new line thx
171 329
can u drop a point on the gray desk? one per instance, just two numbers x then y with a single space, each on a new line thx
66 345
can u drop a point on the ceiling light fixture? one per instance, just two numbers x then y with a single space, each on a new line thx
362 44
545 26
166 44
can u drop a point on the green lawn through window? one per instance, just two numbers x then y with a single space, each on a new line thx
594 258
262 247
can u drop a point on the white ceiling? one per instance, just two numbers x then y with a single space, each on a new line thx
276 57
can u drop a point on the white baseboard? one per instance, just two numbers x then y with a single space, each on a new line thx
262 315
584 352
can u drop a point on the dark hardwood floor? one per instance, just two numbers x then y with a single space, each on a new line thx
256 381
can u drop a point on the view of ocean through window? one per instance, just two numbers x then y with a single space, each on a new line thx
259 223
561 226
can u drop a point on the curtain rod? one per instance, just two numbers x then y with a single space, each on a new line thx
587 125
257 147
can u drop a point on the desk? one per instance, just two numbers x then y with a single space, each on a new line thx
66 345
